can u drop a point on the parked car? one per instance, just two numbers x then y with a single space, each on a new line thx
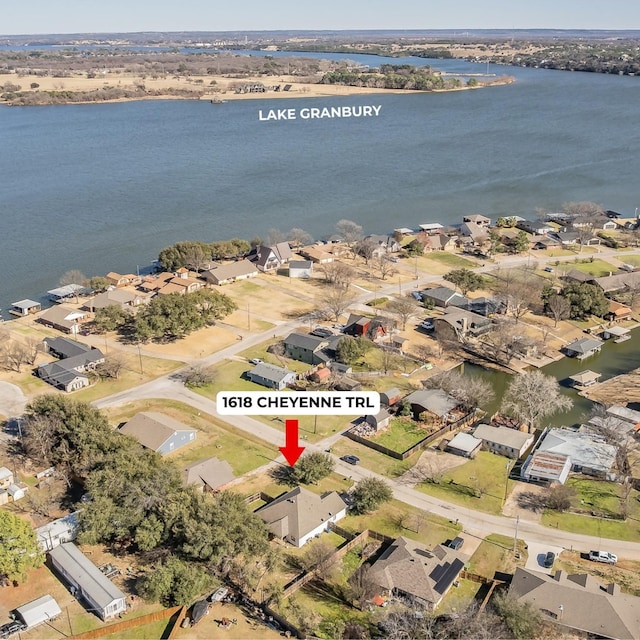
549 559
351 459
322 332
8 629
603 556
549 269
427 325
456 543
417 295
255 361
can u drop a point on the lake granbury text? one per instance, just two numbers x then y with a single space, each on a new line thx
317 113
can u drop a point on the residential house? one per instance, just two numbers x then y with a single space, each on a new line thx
116 297
273 257
603 223
158 432
435 401
546 468
504 441
434 242
118 280
383 245
618 282
535 227
300 269
588 453
373 328
316 253
573 275
378 421
409 569
25 308
65 319
299 515
152 284
58 531
268 375
6 478
230 272
181 284
458 324
208 475
545 242
76 360
486 306
583 348
390 397
444 297
618 312
464 444
87 582
473 234
579 602
306 348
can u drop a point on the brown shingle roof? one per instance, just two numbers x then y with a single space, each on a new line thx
152 429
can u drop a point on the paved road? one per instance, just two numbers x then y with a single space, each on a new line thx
475 523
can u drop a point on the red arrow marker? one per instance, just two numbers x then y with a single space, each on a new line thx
291 450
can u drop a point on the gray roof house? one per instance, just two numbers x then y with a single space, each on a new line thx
408 568
87 581
230 272
460 324
209 475
69 373
380 420
583 348
444 297
618 282
507 442
299 515
158 432
579 602
304 347
58 531
268 375
300 268
116 297
62 318
464 444
273 257
436 401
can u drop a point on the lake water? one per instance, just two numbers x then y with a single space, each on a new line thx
105 187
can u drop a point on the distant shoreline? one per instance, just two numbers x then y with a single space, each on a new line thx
63 90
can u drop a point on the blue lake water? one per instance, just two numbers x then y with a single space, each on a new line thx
103 187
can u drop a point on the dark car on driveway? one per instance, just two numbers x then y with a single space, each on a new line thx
456 543
322 332
549 559
8 629
351 459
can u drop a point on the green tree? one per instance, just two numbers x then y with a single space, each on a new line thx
111 318
521 242
19 548
369 494
350 349
98 283
585 300
174 582
522 618
311 468
465 279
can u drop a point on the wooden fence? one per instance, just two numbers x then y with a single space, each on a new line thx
132 623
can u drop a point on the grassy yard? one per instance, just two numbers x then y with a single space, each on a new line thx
130 377
459 598
216 438
311 429
400 435
587 525
634 260
597 268
371 459
451 260
479 484
495 553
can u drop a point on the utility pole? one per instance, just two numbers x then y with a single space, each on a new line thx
140 358
515 537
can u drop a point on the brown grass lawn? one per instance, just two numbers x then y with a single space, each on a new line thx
495 553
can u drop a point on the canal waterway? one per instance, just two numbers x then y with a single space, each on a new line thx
104 187
612 360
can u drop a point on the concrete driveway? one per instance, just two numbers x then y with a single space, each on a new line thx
537 552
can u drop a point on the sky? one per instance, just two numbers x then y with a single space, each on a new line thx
104 16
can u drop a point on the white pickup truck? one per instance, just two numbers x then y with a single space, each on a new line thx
603 556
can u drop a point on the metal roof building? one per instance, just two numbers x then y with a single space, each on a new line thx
38 611
103 597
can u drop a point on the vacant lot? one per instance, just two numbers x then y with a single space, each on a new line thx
495 553
400 435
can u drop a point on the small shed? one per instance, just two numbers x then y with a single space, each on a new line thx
25 307
584 379
321 375
380 420
38 611
464 444
17 492
300 268
390 396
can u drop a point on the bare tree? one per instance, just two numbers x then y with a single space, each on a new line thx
405 309
470 391
14 354
360 587
384 266
350 231
532 396
518 294
559 307
501 344
338 273
318 557
112 366
298 237
365 249
590 209
274 236
608 426
337 301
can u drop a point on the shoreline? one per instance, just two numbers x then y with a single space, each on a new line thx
224 92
